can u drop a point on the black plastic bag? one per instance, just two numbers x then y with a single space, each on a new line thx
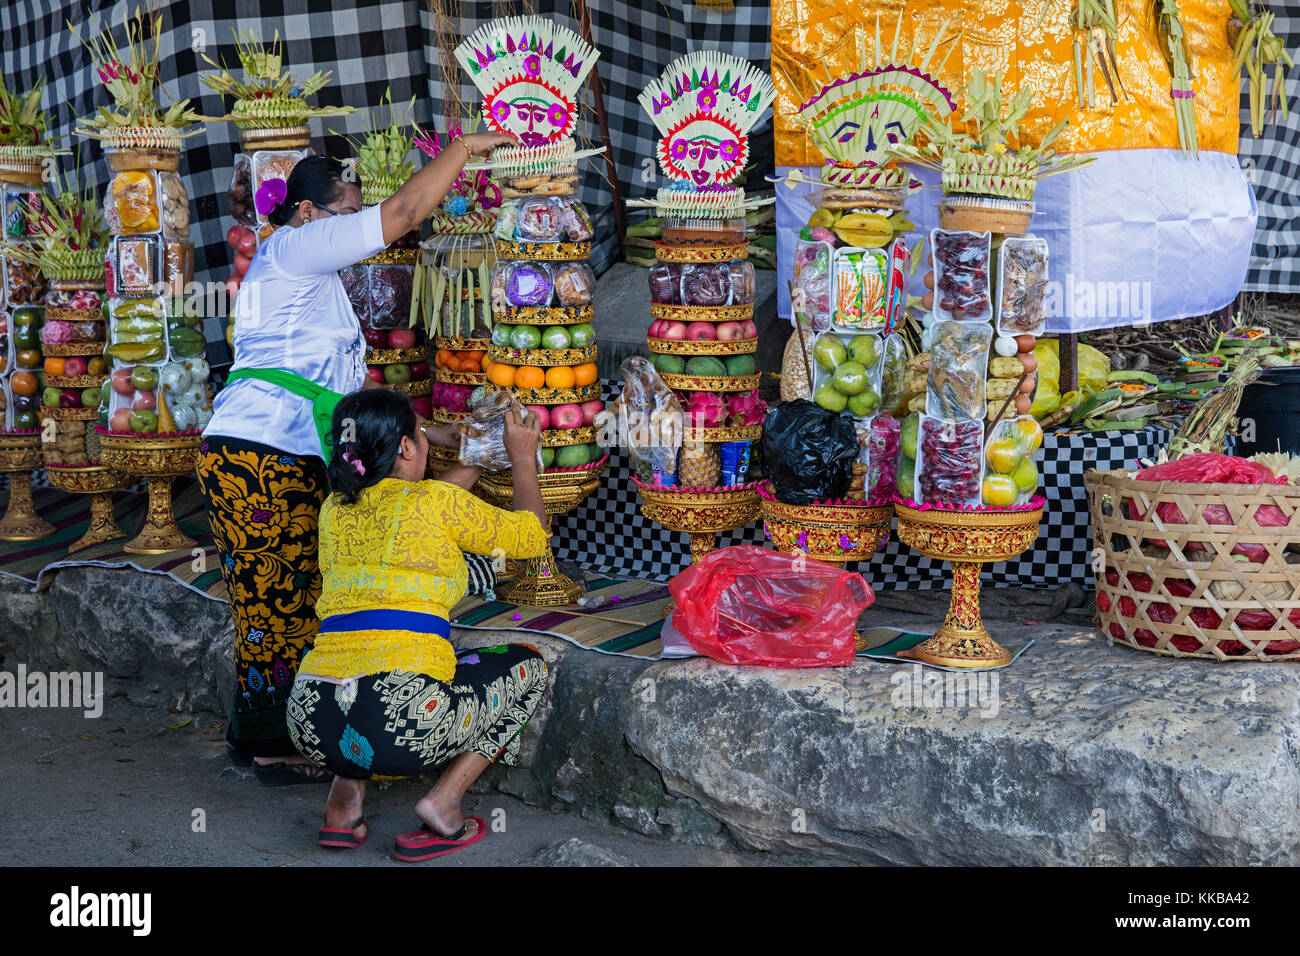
808 452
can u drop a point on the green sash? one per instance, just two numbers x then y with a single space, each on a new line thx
322 399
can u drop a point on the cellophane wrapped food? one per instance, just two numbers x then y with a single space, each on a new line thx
666 284
574 220
528 283
482 433
1022 285
878 446
175 206
949 462
390 295
706 284
540 219
574 284
241 192
134 197
812 283
893 373
650 415
24 284
961 275
958 366
1011 462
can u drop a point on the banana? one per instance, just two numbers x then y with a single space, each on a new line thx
862 220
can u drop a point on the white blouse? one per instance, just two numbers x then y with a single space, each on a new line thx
292 313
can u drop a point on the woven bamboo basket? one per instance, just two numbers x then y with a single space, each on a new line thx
1178 588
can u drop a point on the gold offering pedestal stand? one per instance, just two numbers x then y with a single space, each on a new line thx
541 584
159 458
834 532
20 455
98 481
966 540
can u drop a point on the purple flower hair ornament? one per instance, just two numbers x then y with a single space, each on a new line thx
269 195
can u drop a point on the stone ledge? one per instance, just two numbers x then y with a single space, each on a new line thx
1096 755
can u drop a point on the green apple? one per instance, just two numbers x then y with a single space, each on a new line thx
397 374
90 397
829 352
865 402
145 378
50 397
548 457
556 337
911 426
829 399
906 477
144 422
1025 475
582 335
525 337
850 378
865 350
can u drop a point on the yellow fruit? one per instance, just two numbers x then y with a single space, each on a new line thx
1025 475
1003 454
822 217
863 238
864 220
1028 433
998 491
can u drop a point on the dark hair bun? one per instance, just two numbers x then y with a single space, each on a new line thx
368 429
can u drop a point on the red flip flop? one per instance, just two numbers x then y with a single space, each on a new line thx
344 839
424 844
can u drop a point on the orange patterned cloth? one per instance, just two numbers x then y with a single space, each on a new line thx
400 548
1005 36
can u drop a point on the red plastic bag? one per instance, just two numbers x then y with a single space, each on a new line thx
1213 468
750 605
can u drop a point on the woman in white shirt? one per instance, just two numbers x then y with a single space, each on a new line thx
261 466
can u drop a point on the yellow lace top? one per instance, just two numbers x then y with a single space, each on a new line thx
400 548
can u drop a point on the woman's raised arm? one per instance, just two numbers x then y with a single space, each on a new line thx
420 195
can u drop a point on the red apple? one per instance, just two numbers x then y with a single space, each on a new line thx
233 235
729 331
401 339
247 244
74 366
122 381
375 338
423 405
748 329
376 373
70 398
656 329
120 420
242 262
566 416
699 331
543 414
419 371
590 410
673 330
144 402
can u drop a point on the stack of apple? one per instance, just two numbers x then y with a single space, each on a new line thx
21 375
562 418
243 241
413 376
848 372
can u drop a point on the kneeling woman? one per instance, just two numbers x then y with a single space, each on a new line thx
382 693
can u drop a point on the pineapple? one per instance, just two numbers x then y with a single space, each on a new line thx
699 465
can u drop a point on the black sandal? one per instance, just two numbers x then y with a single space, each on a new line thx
289 774
238 757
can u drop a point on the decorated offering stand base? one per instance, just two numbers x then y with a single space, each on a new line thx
700 512
20 455
966 540
98 481
832 532
541 584
159 458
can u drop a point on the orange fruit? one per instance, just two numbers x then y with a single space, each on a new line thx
485 363
502 375
584 374
23 383
561 376
530 376
468 363
54 366
441 358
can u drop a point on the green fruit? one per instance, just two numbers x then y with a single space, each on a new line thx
582 335
548 457
183 320
25 337
829 351
90 398
865 350
27 316
865 402
906 477
25 421
397 374
501 335
135 351
572 456
850 378
671 364
144 378
740 365
50 397
829 399
705 365
144 422
556 337
911 427
187 343
1025 475
525 337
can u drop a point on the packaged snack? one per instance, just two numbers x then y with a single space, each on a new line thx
241 192
24 284
735 463
650 417
529 283
948 462
539 220
666 284
1010 466
893 373
958 364
138 266
175 202
860 288
574 220
178 266
23 208
134 196
707 284
498 292
883 434
742 283
574 283
813 272
1022 283
507 217
683 231
961 272
482 433
390 295
80 332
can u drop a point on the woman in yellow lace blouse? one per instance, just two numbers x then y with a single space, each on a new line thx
383 693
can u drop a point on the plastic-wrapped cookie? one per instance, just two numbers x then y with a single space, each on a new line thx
539 220
529 283
574 220
574 284
507 216
742 282
666 284
708 284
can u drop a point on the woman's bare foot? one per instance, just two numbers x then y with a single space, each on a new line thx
267 761
442 819
343 808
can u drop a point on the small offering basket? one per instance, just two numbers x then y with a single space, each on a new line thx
967 539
